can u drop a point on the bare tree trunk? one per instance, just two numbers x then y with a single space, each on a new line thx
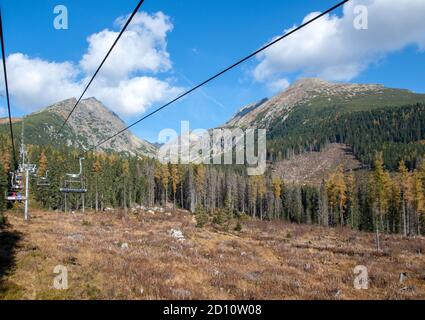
97 196
174 197
378 244
125 202
404 220
181 194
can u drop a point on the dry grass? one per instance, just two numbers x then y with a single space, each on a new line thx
264 261
313 167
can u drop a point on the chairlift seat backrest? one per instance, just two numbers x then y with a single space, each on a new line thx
71 190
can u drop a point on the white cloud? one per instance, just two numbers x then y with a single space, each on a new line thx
143 47
2 112
278 85
36 83
135 95
333 49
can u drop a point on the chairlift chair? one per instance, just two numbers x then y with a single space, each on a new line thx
14 196
16 181
74 182
43 181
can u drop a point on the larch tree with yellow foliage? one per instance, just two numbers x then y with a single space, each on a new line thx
97 167
418 203
405 195
277 192
42 164
175 180
381 193
337 194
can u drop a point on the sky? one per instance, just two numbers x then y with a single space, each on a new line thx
172 45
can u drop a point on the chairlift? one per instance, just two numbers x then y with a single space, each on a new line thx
16 181
74 182
14 196
43 181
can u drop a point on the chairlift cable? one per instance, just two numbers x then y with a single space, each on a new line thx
220 73
102 63
7 90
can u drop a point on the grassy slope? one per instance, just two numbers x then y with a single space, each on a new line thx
264 261
40 129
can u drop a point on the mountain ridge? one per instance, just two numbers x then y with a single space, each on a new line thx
313 91
90 123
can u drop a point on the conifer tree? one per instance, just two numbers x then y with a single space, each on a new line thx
165 179
381 192
351 204
405 195
175 179
3 188
96 170
125 175
277 193
42 164
418 203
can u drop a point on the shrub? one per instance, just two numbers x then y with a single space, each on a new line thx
2 220
219 217
201 218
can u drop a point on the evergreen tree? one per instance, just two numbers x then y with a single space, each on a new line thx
381 192
3 188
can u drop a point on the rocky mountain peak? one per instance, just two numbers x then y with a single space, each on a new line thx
310 92
93 122
309 84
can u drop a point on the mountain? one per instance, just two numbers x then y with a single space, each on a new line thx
316 95
91 123
346 122
364 118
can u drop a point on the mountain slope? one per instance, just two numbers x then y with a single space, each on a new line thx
91 123
368 118
318 95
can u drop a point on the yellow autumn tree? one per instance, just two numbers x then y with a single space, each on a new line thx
337 193
381 193
261 191
5 159
97 167
406 194
418 203
277 192
175 180
42 164
200 184
165 180
253 193
351 198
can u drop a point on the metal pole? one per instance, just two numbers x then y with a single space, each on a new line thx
26 194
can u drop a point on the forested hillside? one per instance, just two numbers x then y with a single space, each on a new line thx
384 134
397 132
372 201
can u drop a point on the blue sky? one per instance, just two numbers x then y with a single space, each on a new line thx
207 36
